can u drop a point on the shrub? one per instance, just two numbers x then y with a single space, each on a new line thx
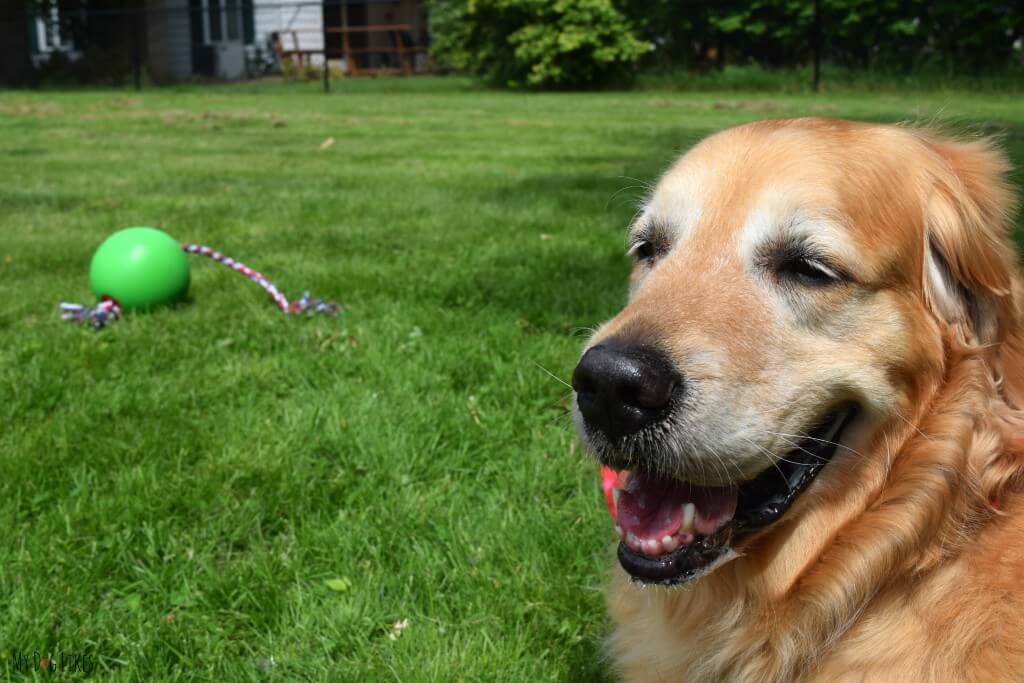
293 70
96 66
535 43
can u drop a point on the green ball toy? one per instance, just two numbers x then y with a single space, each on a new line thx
141 268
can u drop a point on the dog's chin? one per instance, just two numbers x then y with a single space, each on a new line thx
674 531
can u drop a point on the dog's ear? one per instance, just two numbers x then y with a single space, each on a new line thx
969 258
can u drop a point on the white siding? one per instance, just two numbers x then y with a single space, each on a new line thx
302 16
169 43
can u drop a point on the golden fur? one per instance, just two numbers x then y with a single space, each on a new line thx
904 560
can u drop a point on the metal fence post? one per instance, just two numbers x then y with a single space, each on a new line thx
137 49
816 46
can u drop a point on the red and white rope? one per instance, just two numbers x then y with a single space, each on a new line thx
240 267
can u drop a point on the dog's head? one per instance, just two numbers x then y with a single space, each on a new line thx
797 289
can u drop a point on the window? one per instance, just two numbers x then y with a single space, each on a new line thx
46 35
216 21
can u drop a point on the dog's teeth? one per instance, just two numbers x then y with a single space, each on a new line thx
689 510
632 541
669 543
620 532
652 547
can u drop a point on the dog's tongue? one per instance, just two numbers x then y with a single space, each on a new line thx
652 508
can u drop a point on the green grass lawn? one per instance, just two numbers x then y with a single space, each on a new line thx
219 492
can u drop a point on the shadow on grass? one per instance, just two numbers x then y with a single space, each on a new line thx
560 277
550 288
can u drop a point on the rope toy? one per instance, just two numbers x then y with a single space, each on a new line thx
142 268
304 304
106 311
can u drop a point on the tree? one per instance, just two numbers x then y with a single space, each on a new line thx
896 35
535 43
15 65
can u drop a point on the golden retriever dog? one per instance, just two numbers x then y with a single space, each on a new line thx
810 410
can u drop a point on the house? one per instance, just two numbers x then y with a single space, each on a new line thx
175 40
224 38
186 38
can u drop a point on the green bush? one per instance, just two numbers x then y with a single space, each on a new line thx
535 43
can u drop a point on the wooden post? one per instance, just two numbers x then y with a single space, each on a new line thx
406 66
327 62
344 38
350 62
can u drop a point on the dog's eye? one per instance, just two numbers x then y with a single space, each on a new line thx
808 271
643 251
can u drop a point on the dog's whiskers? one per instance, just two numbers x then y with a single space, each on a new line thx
808 437
719 457
580 330
552 375
912 425
771 458
625 189
797 447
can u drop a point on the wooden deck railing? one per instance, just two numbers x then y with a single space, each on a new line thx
406 53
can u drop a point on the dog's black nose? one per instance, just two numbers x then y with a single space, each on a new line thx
620 389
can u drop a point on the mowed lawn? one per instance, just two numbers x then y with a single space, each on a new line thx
220 492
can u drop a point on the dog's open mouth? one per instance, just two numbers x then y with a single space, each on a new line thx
672 531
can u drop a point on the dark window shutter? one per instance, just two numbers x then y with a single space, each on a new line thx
195 11
248 23
33 33
216 34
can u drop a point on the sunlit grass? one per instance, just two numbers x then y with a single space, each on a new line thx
216 491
